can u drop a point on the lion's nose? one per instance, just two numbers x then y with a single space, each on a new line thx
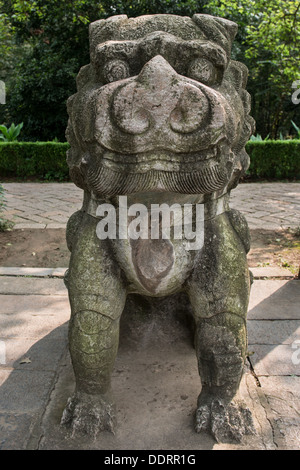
159 99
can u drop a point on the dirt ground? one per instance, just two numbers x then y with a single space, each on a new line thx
34 248
47 248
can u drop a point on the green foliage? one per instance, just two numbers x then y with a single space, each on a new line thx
9 49
47 160
43 82
10 53
150 7
275 29
44 43
58 175
55 42
274 159
51 21
56 45
44 160
11 134
5 42
258 138
297 129
268 42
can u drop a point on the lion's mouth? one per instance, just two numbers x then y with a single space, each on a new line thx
193 173
158 160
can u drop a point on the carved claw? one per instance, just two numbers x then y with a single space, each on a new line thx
89 414
226 422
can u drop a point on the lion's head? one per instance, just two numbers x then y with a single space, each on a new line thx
161 107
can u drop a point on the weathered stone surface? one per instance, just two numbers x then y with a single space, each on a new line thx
284 392
161 116
275 359
28 285
273 331
273 298
10 271
14 430
17 393
34 305
156 92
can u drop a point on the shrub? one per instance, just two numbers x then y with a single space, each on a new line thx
46 160
10 134
279 159
274 159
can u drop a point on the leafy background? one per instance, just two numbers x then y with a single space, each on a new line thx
44 43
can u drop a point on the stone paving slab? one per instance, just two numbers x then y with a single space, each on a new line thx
275 300
49 205
274 348
270 332
287 422
156 398
22 391
25 285
14 429
35 305
18 271
33 339
268 272
258 272
22 325
274 360
32 356
41 205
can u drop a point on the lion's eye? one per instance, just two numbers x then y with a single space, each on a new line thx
115 70
203 71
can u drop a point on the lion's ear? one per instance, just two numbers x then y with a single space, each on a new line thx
103 30
229 27
219 30
237 74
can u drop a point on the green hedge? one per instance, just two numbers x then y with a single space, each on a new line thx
274 159
279 159
46 160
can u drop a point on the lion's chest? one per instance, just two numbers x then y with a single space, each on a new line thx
153 267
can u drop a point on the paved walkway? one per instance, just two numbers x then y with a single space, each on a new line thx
49 205
41 205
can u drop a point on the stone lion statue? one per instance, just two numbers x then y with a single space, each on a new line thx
161 115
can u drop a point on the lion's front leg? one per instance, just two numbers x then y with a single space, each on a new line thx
219 292
221 362
93 344
97 299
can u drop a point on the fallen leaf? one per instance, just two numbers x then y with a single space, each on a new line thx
26 360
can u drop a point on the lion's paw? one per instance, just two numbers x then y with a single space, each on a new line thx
226 422
89 414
